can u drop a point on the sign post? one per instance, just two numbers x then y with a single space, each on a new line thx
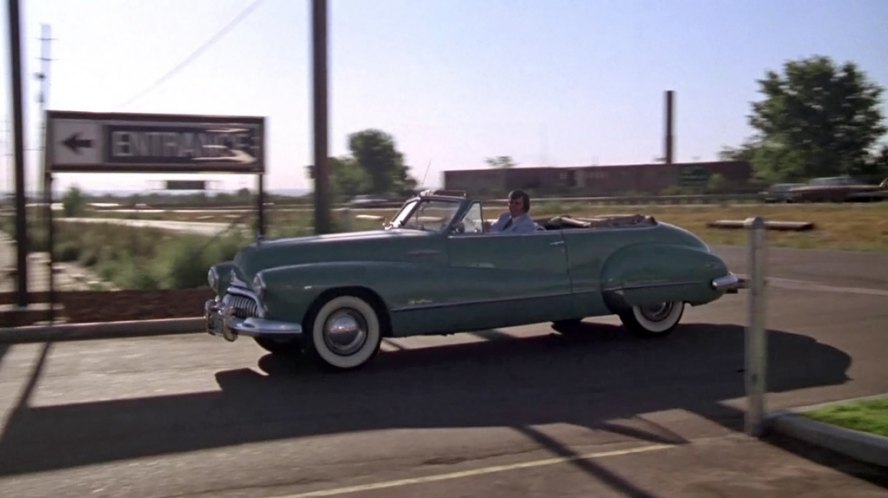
86 142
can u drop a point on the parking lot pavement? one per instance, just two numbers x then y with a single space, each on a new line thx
517 412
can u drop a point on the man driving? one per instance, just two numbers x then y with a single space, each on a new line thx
518 219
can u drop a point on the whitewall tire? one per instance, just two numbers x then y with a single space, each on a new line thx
345 333
653 320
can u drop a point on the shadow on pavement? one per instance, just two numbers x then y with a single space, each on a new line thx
597 376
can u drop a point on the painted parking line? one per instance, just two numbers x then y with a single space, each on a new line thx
473 472
786 283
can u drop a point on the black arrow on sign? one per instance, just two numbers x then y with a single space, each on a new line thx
75 143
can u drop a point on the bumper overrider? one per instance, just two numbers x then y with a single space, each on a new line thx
222 321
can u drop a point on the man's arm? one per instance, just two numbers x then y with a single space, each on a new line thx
500 223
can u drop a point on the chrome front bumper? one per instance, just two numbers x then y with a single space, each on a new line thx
730 283
222 322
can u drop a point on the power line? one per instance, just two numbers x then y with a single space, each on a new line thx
207 44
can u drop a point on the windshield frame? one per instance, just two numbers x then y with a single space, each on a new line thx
456 207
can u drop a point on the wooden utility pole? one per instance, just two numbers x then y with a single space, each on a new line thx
321 173
21 225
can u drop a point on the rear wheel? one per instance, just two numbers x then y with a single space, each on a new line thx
344 333
653 320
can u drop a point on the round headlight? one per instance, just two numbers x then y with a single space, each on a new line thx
212 278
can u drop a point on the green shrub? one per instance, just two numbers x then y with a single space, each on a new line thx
182 263
73 202
67 251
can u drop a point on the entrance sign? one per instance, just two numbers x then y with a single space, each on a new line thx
153 143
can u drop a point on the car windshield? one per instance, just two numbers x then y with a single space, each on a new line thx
426 214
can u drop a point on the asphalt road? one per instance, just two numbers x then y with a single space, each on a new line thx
522 411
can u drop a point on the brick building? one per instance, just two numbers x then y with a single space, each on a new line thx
593 181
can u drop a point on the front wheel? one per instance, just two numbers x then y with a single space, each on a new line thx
345 333
655 320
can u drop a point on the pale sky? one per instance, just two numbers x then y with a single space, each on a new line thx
548 82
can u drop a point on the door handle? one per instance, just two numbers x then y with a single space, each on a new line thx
557 243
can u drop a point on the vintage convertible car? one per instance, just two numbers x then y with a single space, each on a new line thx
434 270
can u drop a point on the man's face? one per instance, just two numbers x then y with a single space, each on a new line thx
516 207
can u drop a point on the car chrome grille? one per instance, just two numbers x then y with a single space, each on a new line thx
242 305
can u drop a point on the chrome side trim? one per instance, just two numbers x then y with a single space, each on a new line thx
657 285
476 302
424 252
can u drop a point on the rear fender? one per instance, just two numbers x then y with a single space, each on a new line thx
647 274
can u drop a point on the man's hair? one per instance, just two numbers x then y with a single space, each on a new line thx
520 194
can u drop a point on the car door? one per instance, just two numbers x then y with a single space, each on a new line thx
507 279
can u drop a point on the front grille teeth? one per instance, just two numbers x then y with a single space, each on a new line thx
242 306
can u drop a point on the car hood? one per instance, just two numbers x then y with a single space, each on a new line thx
376 245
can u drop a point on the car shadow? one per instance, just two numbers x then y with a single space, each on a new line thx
593 377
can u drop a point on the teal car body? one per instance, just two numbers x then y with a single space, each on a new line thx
434 270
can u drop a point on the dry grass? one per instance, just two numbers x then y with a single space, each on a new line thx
851 227
848 227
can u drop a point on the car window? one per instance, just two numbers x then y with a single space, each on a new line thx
472 222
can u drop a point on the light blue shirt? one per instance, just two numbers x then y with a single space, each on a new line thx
520 224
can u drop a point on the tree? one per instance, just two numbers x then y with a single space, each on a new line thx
879 163
500 162
816 119
347 178
745 152
73 202
376 153
717 183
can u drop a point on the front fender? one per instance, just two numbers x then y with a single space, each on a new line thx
290 290
647 274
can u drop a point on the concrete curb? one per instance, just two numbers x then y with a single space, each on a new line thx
866 447
107 330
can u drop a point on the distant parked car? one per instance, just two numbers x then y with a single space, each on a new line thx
435 270
779 192
369 201
836 189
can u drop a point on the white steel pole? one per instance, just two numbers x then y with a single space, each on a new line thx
756 341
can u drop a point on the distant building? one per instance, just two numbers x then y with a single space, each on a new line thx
595 181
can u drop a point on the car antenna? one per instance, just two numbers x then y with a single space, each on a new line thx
421 185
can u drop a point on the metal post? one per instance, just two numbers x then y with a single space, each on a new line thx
21 220
43 101
756 340
260 200
668 138
346 219
319 56
47 194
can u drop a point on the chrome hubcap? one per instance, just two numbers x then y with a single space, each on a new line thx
345 331
656 312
